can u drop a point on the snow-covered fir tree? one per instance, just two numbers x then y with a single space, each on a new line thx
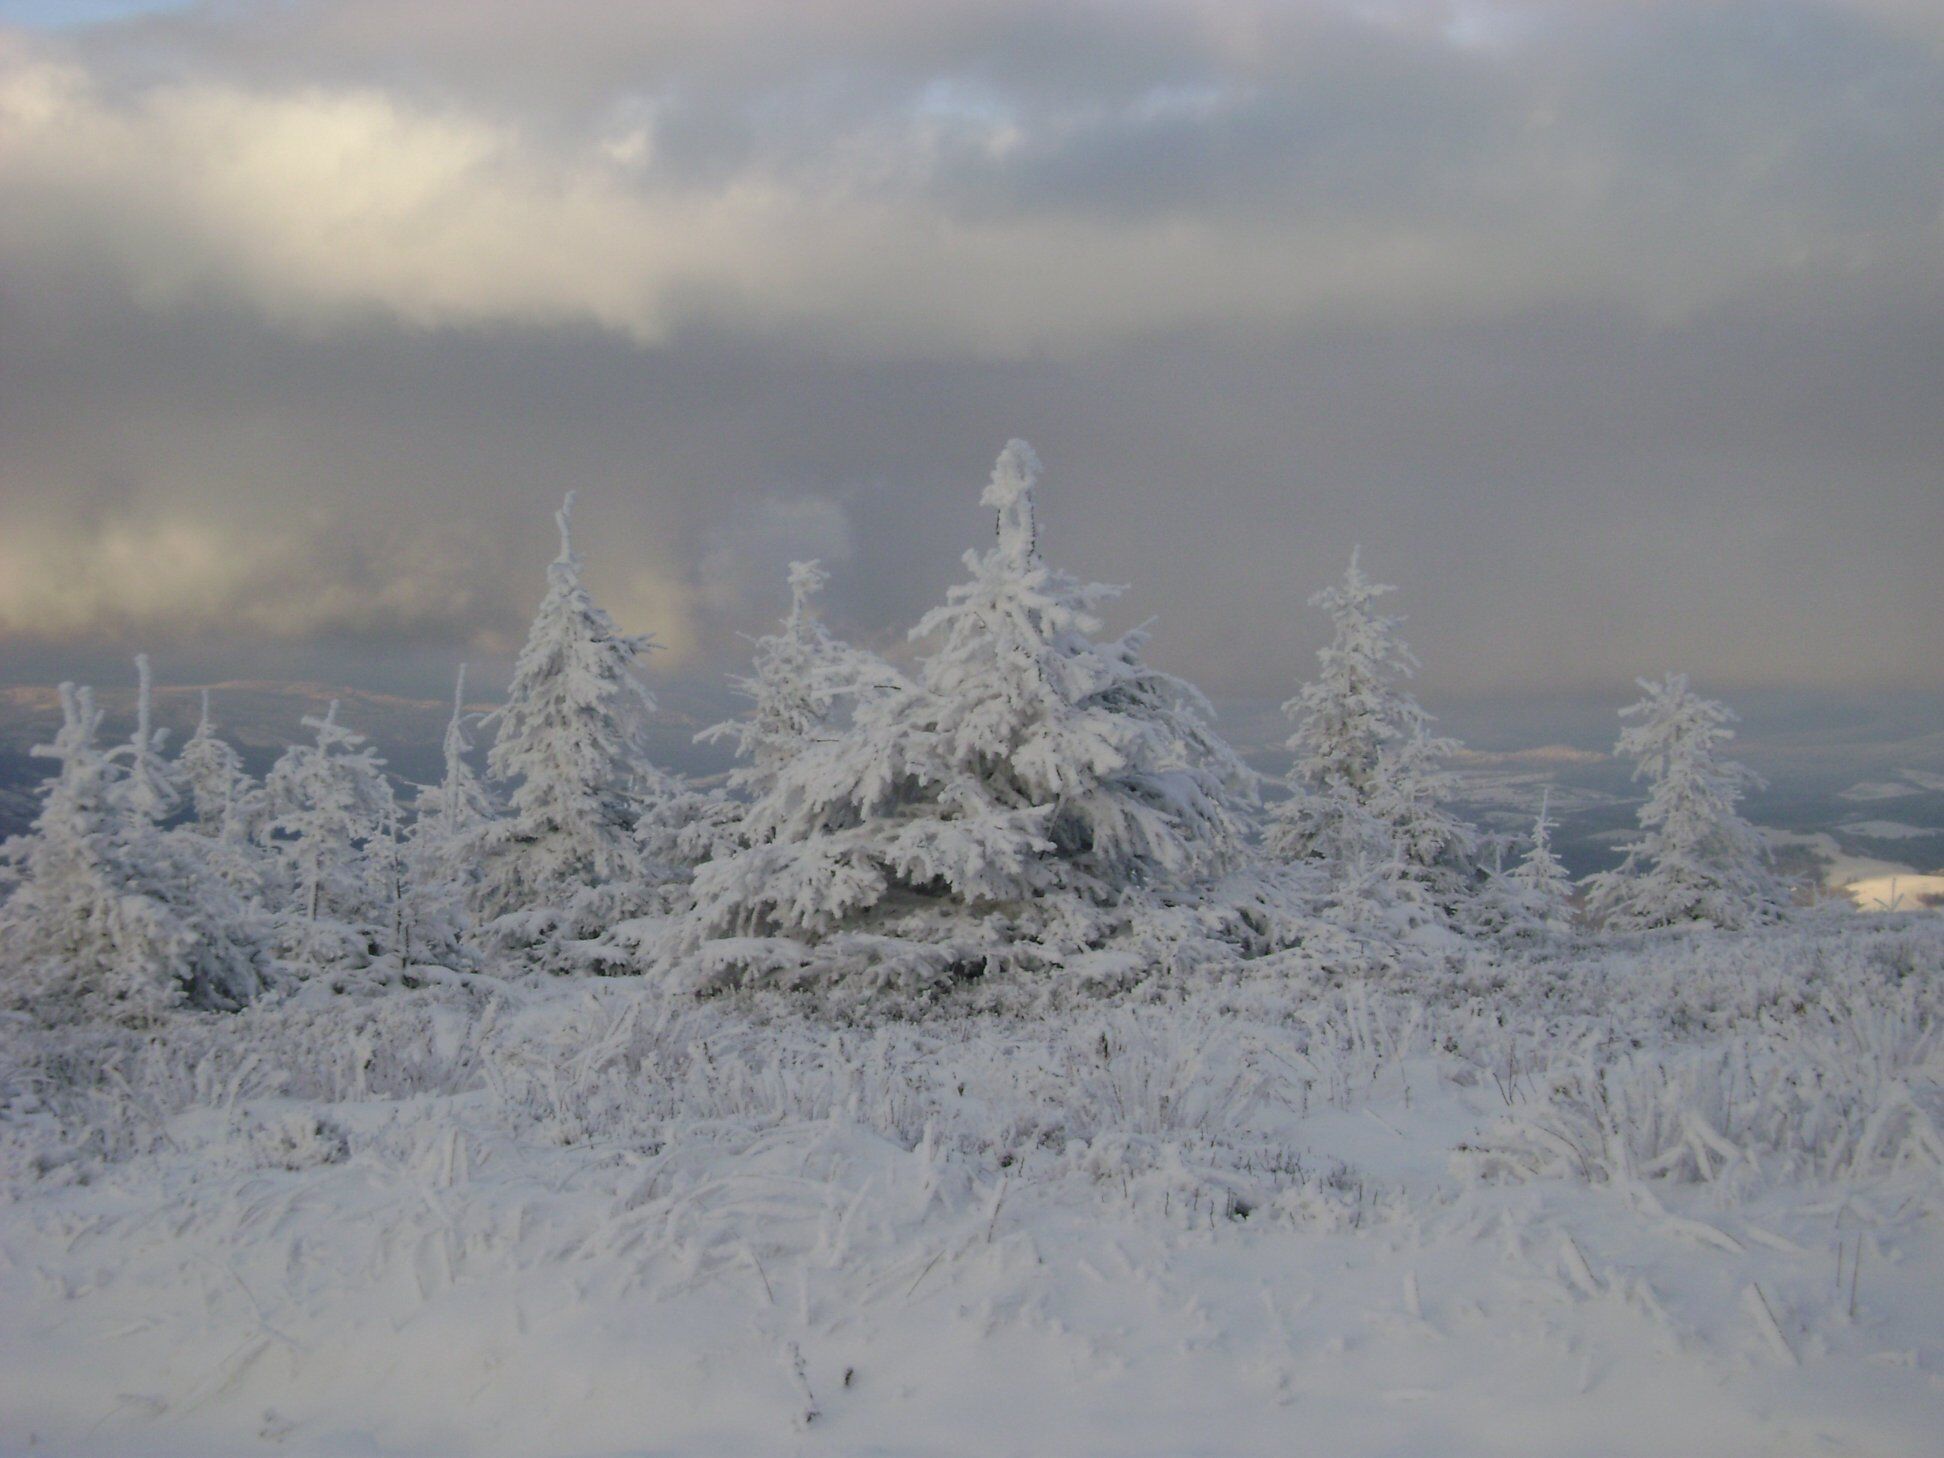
1697 860
152 787
114 916
439 849
220 789
1539 892
227 809
449 815
1367 787
332 822
566 859
798 675
1012 804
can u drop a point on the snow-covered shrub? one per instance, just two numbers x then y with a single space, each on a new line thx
1849 1096
1156 1074
299 1140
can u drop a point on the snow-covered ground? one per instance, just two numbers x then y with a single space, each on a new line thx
1676 1195
1888 830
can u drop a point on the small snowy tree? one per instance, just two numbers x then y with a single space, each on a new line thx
1367 790
222 796
798 676
570 745
113 916
451 813
1697 861
332 822
152 787
1539 892
1016 802
439 850
227 810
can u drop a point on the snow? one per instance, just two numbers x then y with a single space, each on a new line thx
1879 790
980 1078
1870 883
1376 1215
1900 891
1889 830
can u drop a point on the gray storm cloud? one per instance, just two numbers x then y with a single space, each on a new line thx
1612 331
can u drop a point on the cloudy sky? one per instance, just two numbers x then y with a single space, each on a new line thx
1613 331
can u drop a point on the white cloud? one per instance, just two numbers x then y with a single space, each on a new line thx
903 229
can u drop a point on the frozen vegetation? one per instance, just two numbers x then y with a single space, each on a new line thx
1001 1066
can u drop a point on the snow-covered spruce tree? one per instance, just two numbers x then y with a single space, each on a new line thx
212 772
1014 806
1367 788
152 788
448 820
332 823
114 916
1698 862
566 861
227 810
801 683
1539 892
798 675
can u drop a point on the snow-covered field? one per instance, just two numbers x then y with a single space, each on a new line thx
1679 1194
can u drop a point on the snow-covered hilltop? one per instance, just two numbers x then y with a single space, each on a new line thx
998 1065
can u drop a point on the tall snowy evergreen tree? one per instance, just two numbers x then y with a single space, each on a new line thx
1697 861
1032 780
115 916
570 747
332 819
1367 789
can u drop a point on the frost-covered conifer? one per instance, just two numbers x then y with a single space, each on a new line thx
113 916
1031 781
451 813
152 787
332 822
1698 860
1367 788
440 847
1539 893
798 675
570 745
227 810
219 787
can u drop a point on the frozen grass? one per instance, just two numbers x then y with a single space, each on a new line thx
1598 1200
